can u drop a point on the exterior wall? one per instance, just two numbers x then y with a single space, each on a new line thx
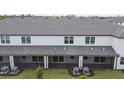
5 59
59 40
118 45
66 59
19 59
90 60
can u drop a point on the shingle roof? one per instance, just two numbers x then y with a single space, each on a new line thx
57 26
115 19
119 33
58 50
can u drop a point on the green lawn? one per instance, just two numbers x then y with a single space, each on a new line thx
108 74
63 74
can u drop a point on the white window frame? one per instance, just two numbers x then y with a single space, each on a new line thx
90 40
6 39
26 41
69 39
122 60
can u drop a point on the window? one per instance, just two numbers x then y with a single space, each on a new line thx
55 58
96 59
40 58
61 59
92 40
89 40
1 58
5 39
122 60
102 59
69 40
85 57
58 59
23 57
34 58
71 57
66 40
99 59
26 39
37 58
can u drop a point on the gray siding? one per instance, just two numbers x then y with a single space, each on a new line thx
5 59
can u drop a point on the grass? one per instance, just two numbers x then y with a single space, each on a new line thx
26 74
108 74
63 74
57 74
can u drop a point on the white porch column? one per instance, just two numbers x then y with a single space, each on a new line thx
80 63
45 62
115 63
11 59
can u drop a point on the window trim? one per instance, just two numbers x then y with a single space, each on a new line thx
26 39
34 58
122 60
58 59
99 59
71 40
5 39
72 57
90 40
68 40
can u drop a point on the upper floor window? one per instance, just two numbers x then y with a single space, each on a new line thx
26 39
122 60
89 40
5 39
68 40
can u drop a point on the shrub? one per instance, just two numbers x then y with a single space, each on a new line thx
82 76
40 72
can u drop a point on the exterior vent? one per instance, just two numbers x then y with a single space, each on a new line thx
64 48
54 48
103 49
92 49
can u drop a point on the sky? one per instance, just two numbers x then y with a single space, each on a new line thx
62 7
